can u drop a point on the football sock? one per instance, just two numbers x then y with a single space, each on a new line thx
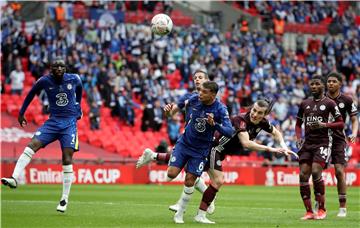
185 198
67 180
305 193
162 157
342 200
208 197
200 185
22 162
319 190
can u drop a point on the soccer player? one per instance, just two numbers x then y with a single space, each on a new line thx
321 117
207 116
64 92
346 106
247 126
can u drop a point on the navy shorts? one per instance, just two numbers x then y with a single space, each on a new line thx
183 155
62 129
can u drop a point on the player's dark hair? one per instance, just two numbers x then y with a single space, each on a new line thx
58 61
319 77
212 86
201 71
266 103
336 75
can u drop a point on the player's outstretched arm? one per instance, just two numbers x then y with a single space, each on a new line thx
29 97
279 138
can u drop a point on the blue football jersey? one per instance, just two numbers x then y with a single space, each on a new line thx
64 98
198 133
182 103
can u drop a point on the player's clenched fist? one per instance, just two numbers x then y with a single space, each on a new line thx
168 108
210 119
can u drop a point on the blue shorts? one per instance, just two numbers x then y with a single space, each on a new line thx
183 155
62 129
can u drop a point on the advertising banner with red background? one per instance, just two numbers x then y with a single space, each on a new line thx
156 174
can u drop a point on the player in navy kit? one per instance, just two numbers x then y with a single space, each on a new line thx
64 92
192 148
247 126
346 107
321 117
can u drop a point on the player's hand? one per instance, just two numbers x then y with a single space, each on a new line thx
351 138
289 152
168 108
317 125
22 121
210 119
299 143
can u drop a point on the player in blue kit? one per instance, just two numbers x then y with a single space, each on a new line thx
192 148
64 93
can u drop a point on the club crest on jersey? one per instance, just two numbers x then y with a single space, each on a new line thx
322 107
341 105
69 86
38 133
308 107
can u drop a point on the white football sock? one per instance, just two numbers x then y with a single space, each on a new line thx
200 185
67 180
22 162
185 198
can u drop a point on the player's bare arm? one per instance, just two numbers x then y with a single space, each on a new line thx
247 143
354 128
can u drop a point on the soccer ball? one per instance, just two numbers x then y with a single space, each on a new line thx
161 24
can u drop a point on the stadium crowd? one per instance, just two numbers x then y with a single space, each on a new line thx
125 67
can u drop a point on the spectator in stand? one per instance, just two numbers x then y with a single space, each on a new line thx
94 116
173 129
17 78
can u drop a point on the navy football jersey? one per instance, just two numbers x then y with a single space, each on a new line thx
198 133
64 98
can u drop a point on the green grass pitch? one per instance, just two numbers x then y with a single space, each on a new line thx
147 206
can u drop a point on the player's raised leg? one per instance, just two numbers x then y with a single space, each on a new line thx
148 155
22 162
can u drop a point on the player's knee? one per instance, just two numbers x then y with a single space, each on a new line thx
218 181
35 145
339 173
304 176
190 180
172 173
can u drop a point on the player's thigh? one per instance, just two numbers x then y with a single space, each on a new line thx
46 134
69 138
196 165
179 156
338 153
214 161
322 154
